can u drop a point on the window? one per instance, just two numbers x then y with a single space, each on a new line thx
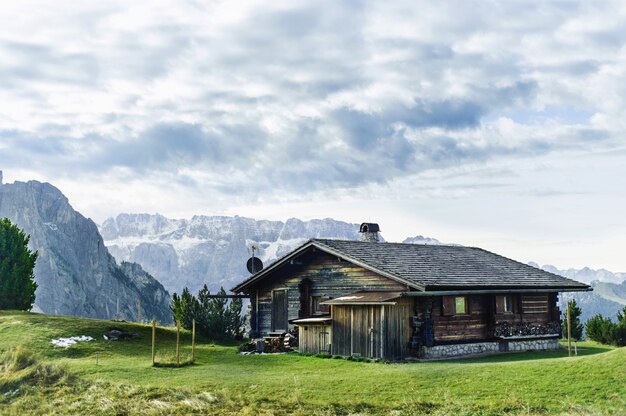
318 309
504 304
454 305
460 305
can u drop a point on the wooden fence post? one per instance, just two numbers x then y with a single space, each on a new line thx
153 341
569 332
177 343
193 341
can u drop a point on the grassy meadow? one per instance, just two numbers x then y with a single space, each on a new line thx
37 378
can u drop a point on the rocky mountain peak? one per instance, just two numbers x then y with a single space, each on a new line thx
75 272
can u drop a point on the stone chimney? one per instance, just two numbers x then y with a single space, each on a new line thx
369 232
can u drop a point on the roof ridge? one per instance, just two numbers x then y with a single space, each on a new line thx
392 242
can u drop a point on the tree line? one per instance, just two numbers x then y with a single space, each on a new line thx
216 318
605 331
599 328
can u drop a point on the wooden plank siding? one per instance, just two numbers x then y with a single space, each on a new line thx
314 339
375 331
398 330
531 308
474 325
482 315
330 278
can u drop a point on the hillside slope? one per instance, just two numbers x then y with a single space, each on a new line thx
224 382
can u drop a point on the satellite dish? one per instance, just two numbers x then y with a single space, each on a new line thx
254 265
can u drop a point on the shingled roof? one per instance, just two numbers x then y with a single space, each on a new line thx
433 267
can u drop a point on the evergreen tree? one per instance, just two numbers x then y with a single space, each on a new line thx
17 264
603 330
600 329
234 319
576 329
217 315
216 318
619 333
185 308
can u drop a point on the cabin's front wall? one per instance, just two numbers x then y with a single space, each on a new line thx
473 325
531 321
330 278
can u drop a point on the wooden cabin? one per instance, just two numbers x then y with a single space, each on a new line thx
392 301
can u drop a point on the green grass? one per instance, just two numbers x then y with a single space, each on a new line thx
223 382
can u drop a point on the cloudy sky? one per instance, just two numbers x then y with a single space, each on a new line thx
495 124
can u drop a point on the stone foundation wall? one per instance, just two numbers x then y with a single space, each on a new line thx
455 350
444 351
534 345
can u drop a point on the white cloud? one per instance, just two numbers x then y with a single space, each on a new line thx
241 103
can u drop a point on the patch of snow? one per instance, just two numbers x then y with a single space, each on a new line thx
185 243
67 342
52 226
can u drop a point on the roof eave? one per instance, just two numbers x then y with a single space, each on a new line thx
357 303
493 291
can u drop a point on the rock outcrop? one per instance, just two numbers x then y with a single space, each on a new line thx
75 273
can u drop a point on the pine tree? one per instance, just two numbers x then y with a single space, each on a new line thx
216 317
576 329
600 329
17 264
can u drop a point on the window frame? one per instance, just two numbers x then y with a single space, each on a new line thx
316 308
449 305
505 304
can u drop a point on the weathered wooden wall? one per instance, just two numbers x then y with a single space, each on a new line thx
314 339
398 329
330 278
537 308
376 331
475 325
479 322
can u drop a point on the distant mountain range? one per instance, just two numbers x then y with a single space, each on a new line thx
607 298
210 250
75 273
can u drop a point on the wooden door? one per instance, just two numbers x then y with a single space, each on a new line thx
279 310
365 331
